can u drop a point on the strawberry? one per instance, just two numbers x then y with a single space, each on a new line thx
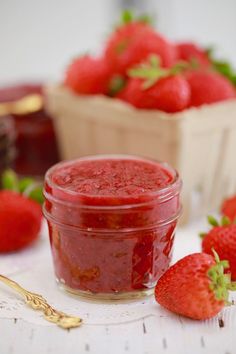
20 216
133 42
208 87
152 87
88 75
20 221
221 237
224 67
189 51
229 208
195 286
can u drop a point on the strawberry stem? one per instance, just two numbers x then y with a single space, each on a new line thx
127 16
24 183
26 186
220 283
34 191
150 71
117 83
225 221
212 221
202 235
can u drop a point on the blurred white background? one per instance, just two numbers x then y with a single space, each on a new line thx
38 38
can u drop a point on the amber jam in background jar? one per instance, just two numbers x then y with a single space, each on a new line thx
112 220
36 146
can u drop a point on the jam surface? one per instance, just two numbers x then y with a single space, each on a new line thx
123 247
107 177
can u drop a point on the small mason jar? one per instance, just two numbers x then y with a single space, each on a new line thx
112 220
35 142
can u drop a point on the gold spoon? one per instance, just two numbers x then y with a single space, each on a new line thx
37 302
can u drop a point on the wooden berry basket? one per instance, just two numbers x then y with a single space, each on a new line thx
199 142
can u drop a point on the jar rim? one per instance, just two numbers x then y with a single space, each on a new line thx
164 193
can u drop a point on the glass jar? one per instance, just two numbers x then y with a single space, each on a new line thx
7 139
108 244
36 146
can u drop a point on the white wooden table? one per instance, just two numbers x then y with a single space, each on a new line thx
140 327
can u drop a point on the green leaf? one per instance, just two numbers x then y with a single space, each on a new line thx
222 66
37 195
35 191
219 281
24 183
155 61
26 186
210 51
202 235
225 221
232 286
116 84
150 71
10 180
225 68
212 221
180 67
145 18
127 16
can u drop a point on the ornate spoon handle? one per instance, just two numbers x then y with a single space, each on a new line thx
37 302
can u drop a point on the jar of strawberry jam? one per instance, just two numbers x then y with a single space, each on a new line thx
112 220
35 143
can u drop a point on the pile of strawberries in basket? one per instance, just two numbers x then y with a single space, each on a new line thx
143 68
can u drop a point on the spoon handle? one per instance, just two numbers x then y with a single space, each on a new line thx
37 302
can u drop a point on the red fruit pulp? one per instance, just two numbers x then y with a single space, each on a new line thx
118 178
111 222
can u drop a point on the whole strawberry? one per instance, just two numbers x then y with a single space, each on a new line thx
209 87
189 51
152 87
229 208
221 238
195 286
88 75
20 216
132 42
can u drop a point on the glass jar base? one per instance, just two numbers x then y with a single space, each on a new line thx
88 295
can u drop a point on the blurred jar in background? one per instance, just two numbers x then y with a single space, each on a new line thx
7 141
36 146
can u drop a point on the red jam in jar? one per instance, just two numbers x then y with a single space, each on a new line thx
35 143
112 220
7 139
